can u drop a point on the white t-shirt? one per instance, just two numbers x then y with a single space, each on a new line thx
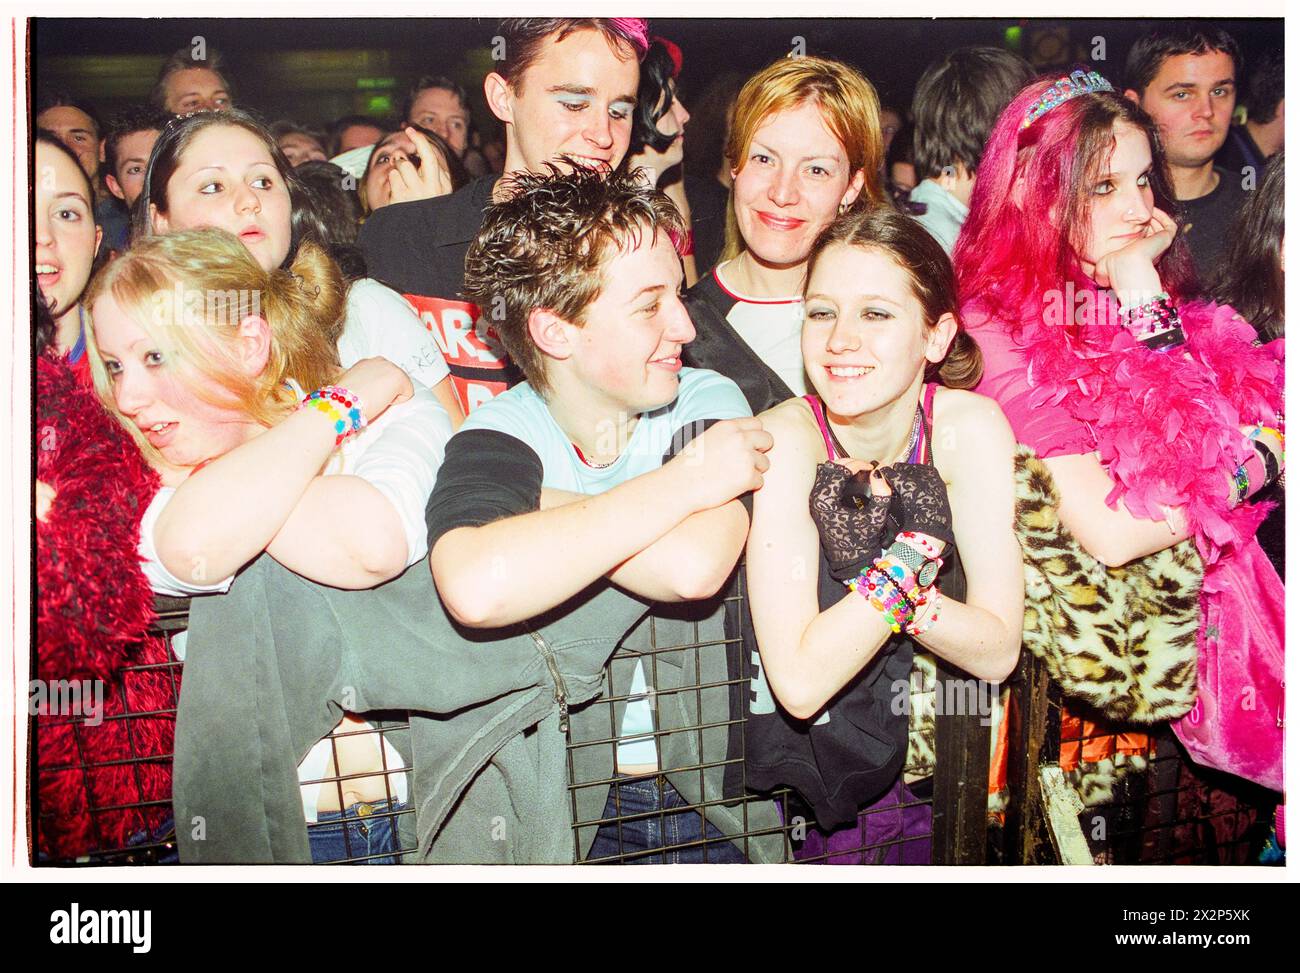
771 327
522 413
398 454
380 324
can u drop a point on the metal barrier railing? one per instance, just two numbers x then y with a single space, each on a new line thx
385 832
1158 809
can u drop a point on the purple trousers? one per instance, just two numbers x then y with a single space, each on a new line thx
895 830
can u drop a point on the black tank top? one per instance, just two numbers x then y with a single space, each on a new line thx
853 752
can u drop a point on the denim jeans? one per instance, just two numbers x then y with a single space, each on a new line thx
350 837
657 826
160 846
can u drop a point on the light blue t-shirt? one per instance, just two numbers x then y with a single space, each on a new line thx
944 213
522 413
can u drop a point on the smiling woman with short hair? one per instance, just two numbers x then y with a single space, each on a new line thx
804 146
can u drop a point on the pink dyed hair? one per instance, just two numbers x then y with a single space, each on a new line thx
1015 246
636 30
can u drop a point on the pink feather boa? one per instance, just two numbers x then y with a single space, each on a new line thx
1167 424
1167 428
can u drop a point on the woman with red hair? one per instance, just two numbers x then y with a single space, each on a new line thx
1156 414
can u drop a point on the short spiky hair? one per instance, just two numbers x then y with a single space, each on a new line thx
45 100
136 118
958 99
1267 87
183 60
430 83
545 247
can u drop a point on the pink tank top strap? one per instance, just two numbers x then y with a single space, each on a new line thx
819 414
927 423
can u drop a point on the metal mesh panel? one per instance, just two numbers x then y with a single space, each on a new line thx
1146 804
369 823
769 827
611 813
106 773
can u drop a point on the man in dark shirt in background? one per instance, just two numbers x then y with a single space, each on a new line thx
1263 136
1185 78
567 87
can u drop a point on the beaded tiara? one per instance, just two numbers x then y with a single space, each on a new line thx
1079 82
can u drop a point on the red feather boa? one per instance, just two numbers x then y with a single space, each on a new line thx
93 610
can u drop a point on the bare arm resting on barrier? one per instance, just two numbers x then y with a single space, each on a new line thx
246 501
519 566
690 562
809 655
1113 535
973 449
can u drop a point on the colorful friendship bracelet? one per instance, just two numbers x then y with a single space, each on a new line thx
1241 484
920 553
927 613
891 584
1156 323
884 596
342 406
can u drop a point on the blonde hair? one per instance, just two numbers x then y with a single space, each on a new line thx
190 290
848 105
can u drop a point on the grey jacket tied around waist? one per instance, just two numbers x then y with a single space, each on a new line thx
684 654
272 666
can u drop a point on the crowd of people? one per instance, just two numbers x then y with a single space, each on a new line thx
416 392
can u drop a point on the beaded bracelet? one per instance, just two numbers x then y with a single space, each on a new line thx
1156 323
1241 483
927 613
924 543
920 554
898 571
885 596
341 405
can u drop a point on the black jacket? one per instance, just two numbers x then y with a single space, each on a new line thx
719 347
419 249
709 201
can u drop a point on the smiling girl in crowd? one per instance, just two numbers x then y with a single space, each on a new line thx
248 465
805 144
880 478
67 241
223 169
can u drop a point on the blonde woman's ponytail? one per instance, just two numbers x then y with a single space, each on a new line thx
305 308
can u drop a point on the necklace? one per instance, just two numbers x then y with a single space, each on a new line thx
594 466
912 440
